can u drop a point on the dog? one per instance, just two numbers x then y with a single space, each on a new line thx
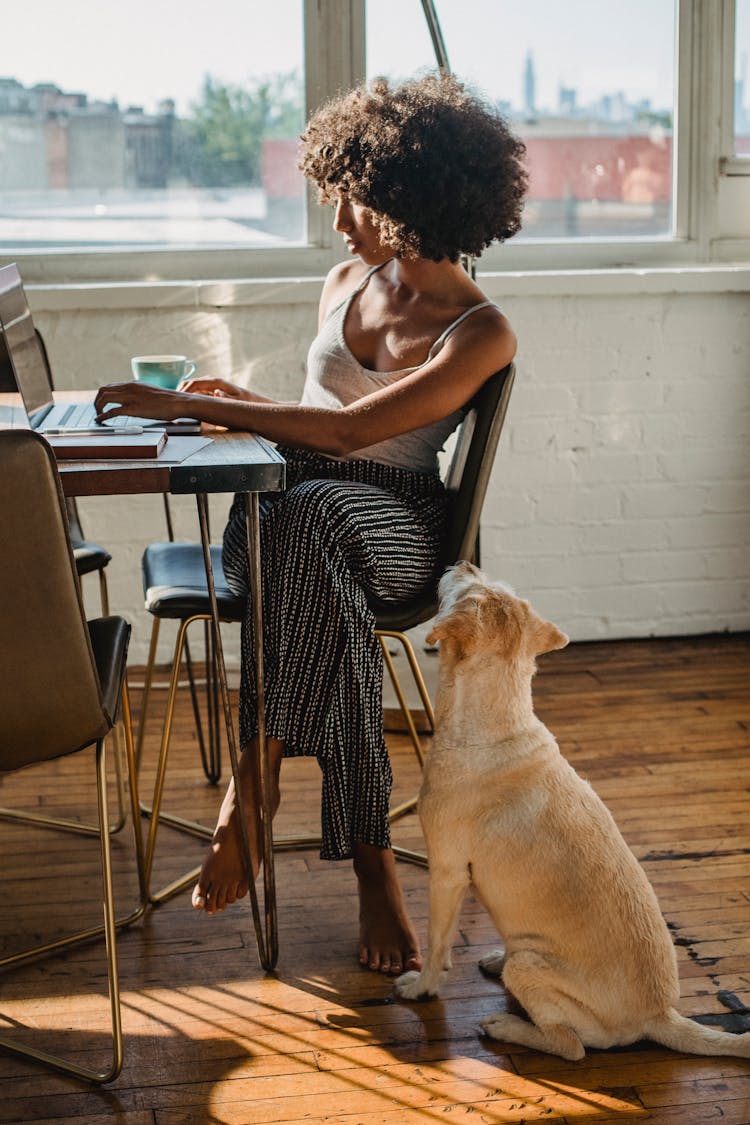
587 952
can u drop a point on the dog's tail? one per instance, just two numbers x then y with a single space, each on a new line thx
681 1034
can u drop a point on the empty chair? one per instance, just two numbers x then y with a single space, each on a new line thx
62 686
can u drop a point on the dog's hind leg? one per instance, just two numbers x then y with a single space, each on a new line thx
535 984
556 1039
447 890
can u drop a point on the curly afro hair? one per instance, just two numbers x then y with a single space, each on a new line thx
438 166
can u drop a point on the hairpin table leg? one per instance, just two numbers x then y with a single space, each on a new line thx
268 941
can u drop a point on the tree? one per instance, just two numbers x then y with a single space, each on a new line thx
219 145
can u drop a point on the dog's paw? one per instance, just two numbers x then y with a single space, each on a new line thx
493 963
413 986
501 1027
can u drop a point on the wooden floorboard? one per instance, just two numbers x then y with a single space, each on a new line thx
661 728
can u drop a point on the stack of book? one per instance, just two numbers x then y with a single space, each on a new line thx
103 447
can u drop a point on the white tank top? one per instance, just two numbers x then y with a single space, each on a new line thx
336 378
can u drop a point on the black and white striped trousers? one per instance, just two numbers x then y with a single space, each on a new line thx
340 530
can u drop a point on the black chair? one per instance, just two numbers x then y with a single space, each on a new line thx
62 688
175 589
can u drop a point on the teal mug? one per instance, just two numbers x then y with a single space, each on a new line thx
162 370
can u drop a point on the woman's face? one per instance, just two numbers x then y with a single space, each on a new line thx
357 224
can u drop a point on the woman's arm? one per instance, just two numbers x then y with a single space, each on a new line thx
483 344
221 388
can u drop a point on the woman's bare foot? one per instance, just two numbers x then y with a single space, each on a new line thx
387 941
223 878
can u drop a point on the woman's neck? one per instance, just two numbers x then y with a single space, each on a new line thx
421 276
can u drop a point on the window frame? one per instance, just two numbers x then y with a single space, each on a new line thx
335 60
731 163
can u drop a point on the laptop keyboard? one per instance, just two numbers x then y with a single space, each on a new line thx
82 416
77 416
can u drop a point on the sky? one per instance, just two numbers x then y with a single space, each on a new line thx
146 50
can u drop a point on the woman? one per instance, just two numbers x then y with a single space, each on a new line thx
417 175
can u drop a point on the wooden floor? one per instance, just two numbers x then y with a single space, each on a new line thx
662 730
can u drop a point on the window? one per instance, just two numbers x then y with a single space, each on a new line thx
589 85
160 144
157 125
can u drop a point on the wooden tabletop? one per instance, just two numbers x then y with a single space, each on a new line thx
231 462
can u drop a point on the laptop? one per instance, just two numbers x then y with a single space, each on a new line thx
31 372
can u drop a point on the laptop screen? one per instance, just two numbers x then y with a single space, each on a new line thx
26 356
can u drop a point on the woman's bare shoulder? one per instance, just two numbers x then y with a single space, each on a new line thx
485 334
339 283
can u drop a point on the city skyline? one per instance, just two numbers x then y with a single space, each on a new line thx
117 60
613 105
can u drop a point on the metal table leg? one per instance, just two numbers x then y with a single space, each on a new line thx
268 946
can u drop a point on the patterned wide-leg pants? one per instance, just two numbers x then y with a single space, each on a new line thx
341 530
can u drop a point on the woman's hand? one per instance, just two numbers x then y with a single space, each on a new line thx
220 388
192 400
140 400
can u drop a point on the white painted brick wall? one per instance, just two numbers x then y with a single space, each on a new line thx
620 499
620 502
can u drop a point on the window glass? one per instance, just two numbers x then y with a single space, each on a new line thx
589 85
742 80
151 124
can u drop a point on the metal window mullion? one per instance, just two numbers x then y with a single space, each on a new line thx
685 119
729 18
732 164
334 61
701 23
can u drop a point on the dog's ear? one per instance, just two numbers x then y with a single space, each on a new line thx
456 629
545 637
503 623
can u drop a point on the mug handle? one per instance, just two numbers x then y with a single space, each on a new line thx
191 369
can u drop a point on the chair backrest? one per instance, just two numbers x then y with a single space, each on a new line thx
466 483
8 384
469 471
7 376
50 694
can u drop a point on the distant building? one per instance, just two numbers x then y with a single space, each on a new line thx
149 146
566 100
54 140
529 86
14 98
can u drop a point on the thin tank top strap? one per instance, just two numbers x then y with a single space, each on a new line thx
344 304
368 275
459 320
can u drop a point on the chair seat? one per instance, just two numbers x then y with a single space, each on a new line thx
89 557
109 640
174 585
174 582
399 617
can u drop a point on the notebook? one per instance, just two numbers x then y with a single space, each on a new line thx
31 372
115 446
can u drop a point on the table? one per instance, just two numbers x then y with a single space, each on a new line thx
233 462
